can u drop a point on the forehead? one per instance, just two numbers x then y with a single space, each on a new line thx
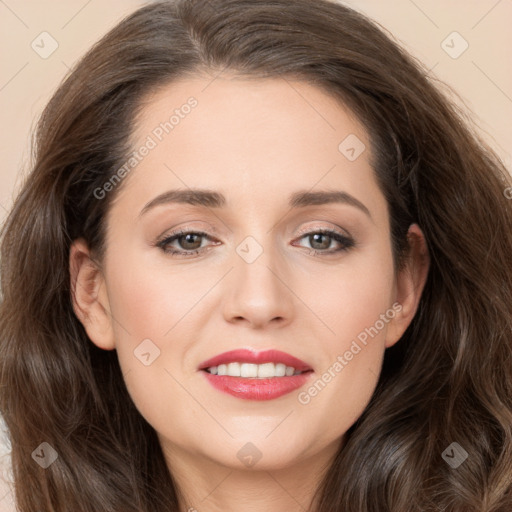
248 137
258 106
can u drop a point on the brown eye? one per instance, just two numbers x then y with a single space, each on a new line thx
183 243
320 241
189 241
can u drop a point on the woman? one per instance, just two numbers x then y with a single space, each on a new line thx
168 342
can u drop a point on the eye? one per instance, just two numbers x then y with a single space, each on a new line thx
189 242
320 241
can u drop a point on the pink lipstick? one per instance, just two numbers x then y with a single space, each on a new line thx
256 375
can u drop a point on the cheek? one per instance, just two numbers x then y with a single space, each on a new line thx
153 310
356 305
142 314
138 307
344 385
352 296
144 310
146 299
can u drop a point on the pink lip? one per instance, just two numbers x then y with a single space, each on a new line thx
256 389
247 356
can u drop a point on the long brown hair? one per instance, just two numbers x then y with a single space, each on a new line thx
448 380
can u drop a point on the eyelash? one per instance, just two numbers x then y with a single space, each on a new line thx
346 242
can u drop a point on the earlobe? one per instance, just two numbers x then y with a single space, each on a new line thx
89 297
409 284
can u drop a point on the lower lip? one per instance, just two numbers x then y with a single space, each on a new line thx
257 389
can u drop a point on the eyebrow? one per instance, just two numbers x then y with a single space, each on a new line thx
212 199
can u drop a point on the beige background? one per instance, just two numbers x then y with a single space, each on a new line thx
482 75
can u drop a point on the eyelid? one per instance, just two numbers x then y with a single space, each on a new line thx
190 229
310 229
179 231
208 230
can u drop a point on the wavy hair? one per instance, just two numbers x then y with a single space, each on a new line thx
449 379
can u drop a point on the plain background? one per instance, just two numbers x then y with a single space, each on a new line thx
481 75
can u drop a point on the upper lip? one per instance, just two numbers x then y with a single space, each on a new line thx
249 356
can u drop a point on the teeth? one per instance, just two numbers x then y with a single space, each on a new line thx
233 369
281 370
266 370
249 370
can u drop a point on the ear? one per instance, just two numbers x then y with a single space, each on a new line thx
89 296
409 284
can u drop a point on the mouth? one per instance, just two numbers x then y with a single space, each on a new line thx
256 375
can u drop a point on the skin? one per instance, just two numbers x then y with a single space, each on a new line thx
256 141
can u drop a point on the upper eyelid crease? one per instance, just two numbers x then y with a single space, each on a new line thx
212 199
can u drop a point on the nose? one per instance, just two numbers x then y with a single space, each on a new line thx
259 294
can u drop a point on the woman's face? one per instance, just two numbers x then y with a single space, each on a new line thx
254 170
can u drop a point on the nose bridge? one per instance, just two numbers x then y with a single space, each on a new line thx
257 292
